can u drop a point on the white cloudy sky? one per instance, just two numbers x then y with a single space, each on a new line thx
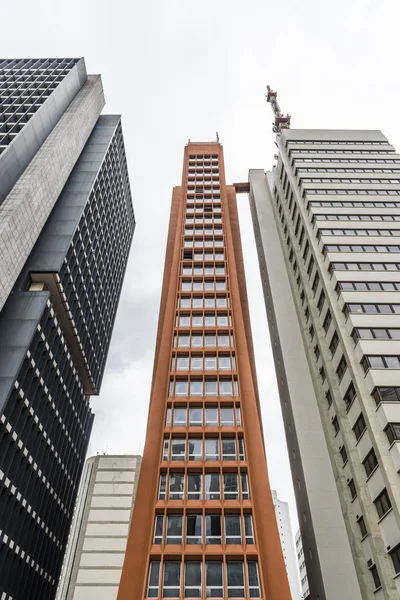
179 69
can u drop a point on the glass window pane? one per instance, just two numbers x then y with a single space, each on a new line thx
172 580
222 320
211 387
225 386
214 582
241 448
180 416
168 417
196 415
248 529
197 321
209 303
162 486
211 413
224 362
227 416
166 449
178 449
223 341
212 450
183 341
254 580
209 321
197 302
195 450
228 449
196 363
154 579
210 363
197 341
174 529
245 486
176 486
213 529
194 486
233 533
231 491
210 340
196 387
158 529
235 579
192 580
212 482
184 321
182 363
181 387
194 529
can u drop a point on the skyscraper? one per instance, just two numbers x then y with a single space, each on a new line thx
203 524
305 592
99 532
326 222
287 542
66 224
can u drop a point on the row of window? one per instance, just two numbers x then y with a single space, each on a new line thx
380 362
214 209
207 362
200 176
318 151
204 302
208 340
206 320
350 161
371 309
203 270
225 448
344 170
375 333
360 248
353 204
210 486
213 187
213 579
348 180
386 394
364 266
203 256
204 243
208 387
355 218
370 232
210 416
203 285
364 286
335 143
204 529
206 220
216 230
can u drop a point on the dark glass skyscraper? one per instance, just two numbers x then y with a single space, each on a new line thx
66 225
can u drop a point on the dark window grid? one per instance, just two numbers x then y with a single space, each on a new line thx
355 217
371 309
351 192
358 232
364 286
386 394
375 333
380 362
393 432
360 248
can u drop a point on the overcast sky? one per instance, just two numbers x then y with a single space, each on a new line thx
179 69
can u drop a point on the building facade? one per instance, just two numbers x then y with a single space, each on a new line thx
203 524
66 226
282 516
305 590
326 223
99 532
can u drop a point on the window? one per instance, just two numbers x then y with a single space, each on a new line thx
193 580
196 387
235 579
162 486
334 343
315 283
214 581
343 454
181 388
248 528
182 363
194 486
231 488
363 529
225 386
211 449
352 488
341 368
335 424
382 503
224 362
228 449
213 489
349 395
245 486
154 579
238 417
211 414
158 529
193 529
195 416
178 449
375 576
233 534
359 427
321 301
254 579
176 486
174 529
386 394
395 556
327 321
211 387
172 580
180 416
227 419
210 362
213 529
195 449
370 462
393 432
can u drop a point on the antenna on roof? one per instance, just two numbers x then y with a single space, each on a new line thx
217 136
281 121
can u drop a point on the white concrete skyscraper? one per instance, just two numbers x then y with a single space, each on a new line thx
327 226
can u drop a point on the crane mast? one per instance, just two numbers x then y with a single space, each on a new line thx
281 121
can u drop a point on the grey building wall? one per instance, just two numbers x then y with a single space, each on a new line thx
328 555
26 208
99 532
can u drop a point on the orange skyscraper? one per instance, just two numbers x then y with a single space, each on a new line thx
203 524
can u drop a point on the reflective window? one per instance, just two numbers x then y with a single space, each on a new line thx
227 416
174 529
231 488
235 579
233 533
194 529
193 580
211 414
154 579
180 416
212 449
176 486
178 449
194 486
214 580
195 416
212 483
195 449
228 449
171 580
162 486
213 529
158 529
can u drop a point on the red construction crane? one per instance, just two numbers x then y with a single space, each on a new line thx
281 121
